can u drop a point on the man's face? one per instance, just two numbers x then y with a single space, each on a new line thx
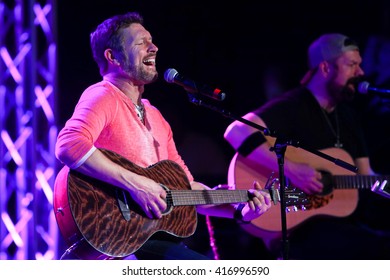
346 71
139 57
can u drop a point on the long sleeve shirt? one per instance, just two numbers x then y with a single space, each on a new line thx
106 118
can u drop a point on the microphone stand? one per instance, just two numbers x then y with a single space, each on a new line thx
279 148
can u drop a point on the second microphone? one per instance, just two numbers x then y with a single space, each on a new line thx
172 76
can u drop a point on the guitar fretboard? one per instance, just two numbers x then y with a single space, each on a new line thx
199 197
357 181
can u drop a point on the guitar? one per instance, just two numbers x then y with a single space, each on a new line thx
339 197
100 221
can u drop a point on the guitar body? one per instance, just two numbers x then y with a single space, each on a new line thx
100 221
337 202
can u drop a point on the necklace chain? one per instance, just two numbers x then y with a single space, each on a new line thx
336 132
140 111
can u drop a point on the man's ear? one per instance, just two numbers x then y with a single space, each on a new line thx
324 67
108 54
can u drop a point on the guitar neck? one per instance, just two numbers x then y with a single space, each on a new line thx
357 181
201 197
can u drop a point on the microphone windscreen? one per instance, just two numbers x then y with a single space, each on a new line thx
363 87
170 74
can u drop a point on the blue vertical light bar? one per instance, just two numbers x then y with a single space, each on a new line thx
28 130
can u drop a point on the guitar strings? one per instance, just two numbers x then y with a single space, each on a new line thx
193 197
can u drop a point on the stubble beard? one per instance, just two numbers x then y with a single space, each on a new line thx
341 93
139 73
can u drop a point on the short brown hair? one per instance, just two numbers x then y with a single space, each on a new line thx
108 36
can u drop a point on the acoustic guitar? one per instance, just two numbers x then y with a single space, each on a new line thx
101 221
339 197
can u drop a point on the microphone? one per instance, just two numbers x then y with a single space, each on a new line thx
364 87
172 76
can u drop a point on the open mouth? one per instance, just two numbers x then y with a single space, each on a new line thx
150 61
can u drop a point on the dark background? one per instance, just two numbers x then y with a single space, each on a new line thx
250 49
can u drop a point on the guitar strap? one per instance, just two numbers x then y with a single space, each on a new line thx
251 143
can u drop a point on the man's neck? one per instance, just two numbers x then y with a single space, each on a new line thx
322 96
127 87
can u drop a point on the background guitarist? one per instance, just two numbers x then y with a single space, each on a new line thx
112 115
318 115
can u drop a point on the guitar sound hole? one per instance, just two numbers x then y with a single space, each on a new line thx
168 209
168 200
327 181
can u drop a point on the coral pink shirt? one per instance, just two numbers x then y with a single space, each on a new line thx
106 118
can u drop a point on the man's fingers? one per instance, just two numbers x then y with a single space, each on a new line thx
257 186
